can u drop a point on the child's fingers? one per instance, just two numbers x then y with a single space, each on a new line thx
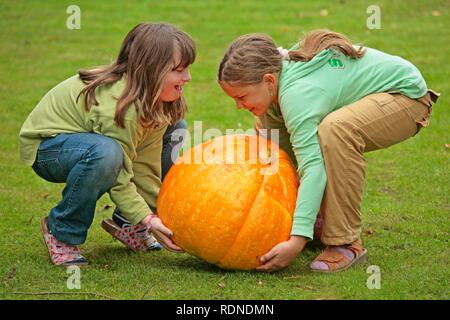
174 248
268 261
166 231
164 235
166 242
160 227
269 266
272 253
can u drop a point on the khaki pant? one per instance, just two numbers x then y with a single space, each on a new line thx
376 121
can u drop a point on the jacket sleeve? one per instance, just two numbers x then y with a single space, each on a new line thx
303 108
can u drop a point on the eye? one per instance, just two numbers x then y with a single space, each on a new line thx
179 69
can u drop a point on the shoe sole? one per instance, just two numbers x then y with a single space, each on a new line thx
360 259
111 227
44 230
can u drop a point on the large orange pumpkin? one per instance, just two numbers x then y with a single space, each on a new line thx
228 205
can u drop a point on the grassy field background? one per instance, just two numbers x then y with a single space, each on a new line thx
406 204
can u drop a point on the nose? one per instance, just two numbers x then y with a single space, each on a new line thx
186 76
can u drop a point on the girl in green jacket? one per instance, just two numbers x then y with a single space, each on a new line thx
331 102
106 130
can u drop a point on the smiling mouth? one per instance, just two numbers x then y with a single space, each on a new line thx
179 88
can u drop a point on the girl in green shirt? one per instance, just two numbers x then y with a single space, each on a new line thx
103 130
332 102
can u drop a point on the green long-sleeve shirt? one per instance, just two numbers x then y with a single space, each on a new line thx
308 91
137 185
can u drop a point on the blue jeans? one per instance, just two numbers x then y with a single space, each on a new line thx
89 164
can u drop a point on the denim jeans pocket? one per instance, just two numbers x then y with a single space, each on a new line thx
47 166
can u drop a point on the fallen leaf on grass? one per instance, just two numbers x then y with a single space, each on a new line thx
221 283
435 13
386 190
369 232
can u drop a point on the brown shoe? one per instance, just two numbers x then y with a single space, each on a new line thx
338 258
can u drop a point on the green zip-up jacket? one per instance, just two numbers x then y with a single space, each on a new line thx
308 91
137 185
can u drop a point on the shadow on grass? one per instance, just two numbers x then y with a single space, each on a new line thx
117 257
160 259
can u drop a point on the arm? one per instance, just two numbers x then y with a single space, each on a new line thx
124 192
302 111
147 178
147 166
137 185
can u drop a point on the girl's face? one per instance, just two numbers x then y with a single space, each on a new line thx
173 83
256 98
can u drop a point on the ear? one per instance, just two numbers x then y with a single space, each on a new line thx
270 78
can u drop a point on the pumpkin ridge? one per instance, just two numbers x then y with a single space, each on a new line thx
269 198
281 205
261 189
285 190
284 209
240 227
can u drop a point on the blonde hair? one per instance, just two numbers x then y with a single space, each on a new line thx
145 58
252 56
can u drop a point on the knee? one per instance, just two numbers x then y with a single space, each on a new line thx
332 132
108 155
328 129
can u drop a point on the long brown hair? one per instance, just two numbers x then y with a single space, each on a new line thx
252 56
145 57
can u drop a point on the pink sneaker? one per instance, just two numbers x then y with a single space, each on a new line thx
137 238
61 254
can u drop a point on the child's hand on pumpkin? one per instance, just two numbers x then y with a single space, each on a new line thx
282 255
162 233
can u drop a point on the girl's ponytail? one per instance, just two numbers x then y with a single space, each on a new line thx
319 40
251 56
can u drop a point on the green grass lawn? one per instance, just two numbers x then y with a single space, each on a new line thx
406 204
